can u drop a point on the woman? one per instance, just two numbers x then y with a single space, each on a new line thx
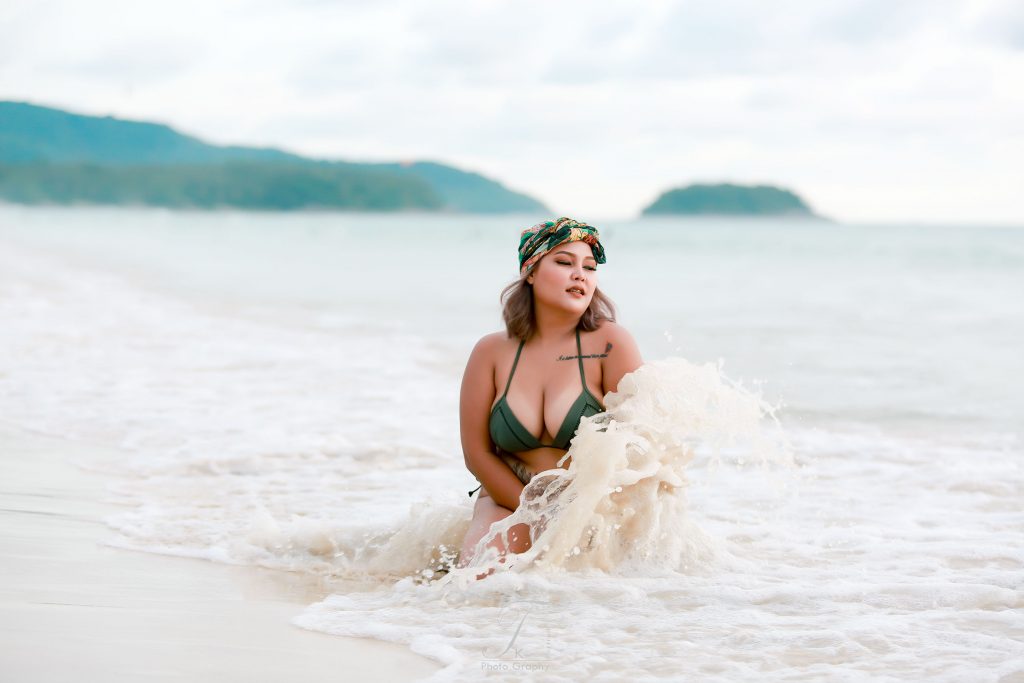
563 349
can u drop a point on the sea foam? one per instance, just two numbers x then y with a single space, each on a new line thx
621 504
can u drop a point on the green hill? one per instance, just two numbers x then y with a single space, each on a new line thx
49 155
249 185
726 199
470 192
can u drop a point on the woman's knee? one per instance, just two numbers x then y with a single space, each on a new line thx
515 539
519 538
487 512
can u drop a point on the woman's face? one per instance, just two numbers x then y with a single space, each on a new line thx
565 278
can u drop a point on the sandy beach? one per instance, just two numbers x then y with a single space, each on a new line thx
74 608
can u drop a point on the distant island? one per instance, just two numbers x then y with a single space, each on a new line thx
51 156
727 199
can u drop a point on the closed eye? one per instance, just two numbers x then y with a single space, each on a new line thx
567 263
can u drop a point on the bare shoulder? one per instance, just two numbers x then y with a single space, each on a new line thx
488 348
615 339
491 343
621 354
614 333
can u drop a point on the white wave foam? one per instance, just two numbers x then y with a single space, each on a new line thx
621 505
889 552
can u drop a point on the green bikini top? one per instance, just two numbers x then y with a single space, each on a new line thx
509 434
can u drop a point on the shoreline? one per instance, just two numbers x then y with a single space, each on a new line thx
72 607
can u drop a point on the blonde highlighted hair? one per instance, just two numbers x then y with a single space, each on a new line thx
521 322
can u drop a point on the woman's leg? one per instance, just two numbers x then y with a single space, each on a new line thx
485 513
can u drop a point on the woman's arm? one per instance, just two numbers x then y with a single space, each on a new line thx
623 356
475 401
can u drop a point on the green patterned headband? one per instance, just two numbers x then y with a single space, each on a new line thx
543 237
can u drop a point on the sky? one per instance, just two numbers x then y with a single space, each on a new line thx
872 111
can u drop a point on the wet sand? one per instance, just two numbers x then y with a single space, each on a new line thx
72 608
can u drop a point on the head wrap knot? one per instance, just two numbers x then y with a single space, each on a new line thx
543 237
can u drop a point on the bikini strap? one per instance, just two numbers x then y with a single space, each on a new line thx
513 370
579 357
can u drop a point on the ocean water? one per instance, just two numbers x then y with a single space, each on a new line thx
284 388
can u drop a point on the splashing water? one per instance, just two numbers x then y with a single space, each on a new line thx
606 532
621 504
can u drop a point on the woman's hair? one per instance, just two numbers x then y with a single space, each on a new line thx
521 323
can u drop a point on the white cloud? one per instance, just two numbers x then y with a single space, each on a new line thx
872 110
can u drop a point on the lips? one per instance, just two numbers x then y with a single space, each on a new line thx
577 291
